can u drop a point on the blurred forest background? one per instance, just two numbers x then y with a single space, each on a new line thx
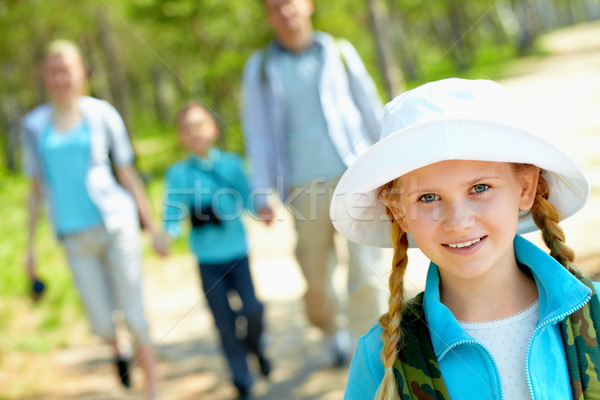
148 57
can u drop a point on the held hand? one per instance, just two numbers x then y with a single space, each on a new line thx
160 245
266 215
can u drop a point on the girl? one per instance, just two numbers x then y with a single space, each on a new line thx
68 144
499 317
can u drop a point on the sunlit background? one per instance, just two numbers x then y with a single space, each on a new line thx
148 57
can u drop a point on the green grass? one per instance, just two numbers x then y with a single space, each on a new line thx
13 214
39 327
25 325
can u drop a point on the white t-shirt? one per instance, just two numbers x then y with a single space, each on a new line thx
507 340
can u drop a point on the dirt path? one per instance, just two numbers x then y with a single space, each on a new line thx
566 90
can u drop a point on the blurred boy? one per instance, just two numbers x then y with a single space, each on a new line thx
211 188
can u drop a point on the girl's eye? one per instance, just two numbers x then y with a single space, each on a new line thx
429 197
480 188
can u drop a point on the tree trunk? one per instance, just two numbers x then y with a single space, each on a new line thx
11 113
528 26
458 22
394 81
116 73
398 41
98 75
39 54
548 15
593 9
499 33
579 11
161 101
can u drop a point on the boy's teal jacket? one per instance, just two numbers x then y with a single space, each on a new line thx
220 182
467 368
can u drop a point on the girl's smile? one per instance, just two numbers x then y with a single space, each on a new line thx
465 246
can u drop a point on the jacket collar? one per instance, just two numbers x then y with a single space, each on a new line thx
559 292
319 39
214 155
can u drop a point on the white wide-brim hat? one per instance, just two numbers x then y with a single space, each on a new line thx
451 119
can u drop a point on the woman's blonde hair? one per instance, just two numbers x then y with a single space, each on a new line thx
543 213
62 46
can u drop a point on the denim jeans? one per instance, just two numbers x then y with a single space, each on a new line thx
217 281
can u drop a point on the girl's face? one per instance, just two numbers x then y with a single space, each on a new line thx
463 215
198 131
64 75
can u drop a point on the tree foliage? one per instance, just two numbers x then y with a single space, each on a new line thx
149 56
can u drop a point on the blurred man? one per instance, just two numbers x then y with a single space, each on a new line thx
310 107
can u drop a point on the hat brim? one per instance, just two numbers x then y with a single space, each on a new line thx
358 214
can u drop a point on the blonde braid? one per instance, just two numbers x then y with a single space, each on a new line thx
546 218
390 322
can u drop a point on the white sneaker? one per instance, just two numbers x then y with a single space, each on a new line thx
340 346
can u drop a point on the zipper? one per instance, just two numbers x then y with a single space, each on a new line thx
473 341
541 326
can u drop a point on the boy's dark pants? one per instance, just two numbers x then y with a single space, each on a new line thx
217 281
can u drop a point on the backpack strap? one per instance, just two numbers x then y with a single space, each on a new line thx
417 372
263 65
580 338
338 45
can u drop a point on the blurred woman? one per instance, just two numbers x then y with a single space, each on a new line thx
70 144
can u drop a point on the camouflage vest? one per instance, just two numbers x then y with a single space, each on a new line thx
419 377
